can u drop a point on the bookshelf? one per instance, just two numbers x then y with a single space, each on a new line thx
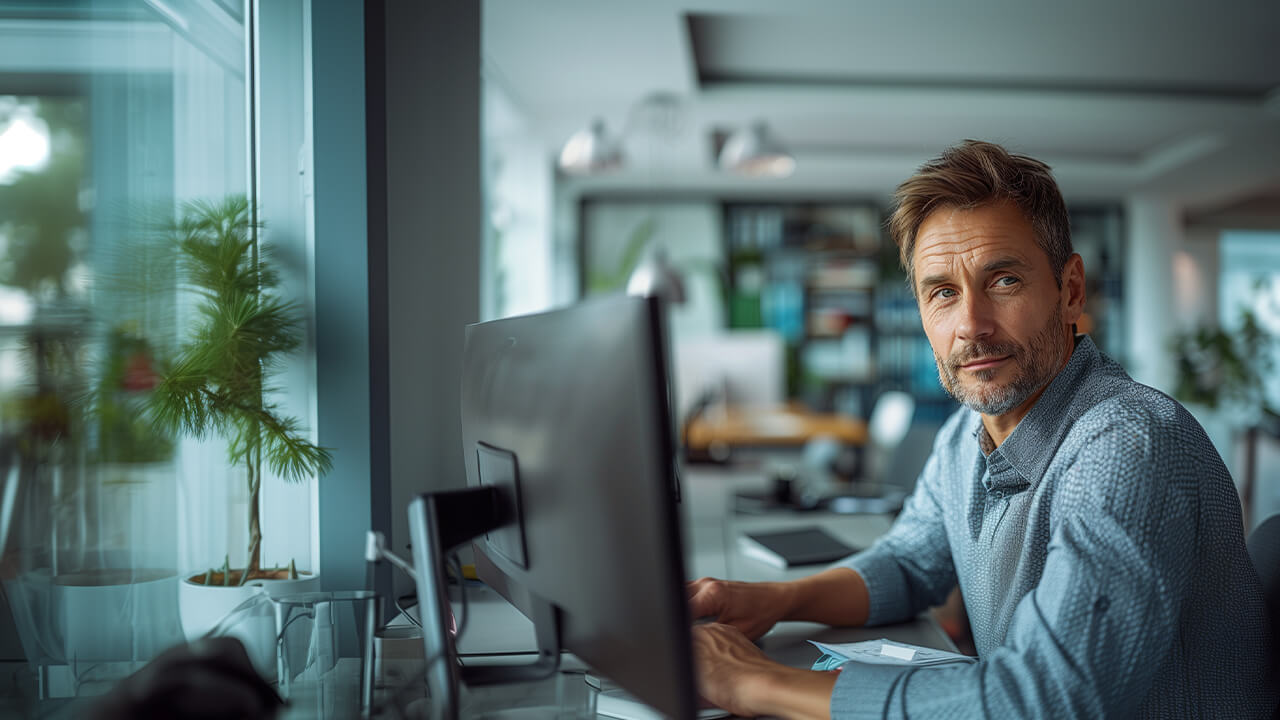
823 275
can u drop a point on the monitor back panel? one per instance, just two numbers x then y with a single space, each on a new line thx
579 397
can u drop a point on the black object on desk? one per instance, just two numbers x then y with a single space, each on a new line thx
785 493
789 548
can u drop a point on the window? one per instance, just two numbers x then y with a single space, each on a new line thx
1250 283
114 115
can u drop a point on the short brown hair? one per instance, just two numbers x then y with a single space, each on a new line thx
976 173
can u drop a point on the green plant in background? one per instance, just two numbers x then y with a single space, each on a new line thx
125 433
1217 368
217 384
602 280
41 211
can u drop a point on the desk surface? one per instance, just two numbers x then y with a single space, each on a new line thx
497 628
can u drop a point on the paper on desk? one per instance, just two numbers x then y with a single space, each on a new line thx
886 652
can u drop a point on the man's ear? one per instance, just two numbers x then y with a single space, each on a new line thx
1073 289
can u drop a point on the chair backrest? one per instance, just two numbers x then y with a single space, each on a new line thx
888 426
891 418
909 458
1264 551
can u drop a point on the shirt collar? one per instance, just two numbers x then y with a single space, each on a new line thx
1024 456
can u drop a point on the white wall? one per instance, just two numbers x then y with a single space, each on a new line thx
691 234
1195 279
518 256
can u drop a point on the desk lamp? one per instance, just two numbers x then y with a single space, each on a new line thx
655 277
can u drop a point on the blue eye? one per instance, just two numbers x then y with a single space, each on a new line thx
1012 281
940 292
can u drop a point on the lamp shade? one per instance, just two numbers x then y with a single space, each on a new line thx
654 276
754 152
590 151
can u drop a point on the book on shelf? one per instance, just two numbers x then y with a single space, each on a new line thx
790 548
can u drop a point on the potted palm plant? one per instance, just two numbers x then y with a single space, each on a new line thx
217 384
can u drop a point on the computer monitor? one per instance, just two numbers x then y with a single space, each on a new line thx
739 367
567 436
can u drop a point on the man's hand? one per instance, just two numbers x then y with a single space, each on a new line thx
753 608
729 666
733 674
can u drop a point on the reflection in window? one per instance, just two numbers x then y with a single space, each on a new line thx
112 115
43 234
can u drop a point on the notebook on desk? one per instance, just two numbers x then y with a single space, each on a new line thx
789 548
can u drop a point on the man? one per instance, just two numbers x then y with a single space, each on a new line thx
1093 529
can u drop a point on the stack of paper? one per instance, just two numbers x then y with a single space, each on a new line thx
885 652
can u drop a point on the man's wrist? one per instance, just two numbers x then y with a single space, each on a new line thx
790 598
762 690
788 692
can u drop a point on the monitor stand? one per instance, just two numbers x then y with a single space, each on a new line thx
438 523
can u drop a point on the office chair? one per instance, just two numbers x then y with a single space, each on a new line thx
890 421
1264 551
874 490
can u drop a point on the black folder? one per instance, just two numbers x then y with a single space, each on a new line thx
800 546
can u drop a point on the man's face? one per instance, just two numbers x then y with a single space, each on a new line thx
998 322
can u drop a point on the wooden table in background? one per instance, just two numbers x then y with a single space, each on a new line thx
781 426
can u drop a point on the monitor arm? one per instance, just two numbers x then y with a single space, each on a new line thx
439 522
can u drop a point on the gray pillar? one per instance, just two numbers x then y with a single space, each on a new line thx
398 213
433 212
1155 231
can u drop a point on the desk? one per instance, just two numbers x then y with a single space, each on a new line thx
722 428
496 627
495 630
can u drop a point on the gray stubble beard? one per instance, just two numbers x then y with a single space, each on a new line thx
1038 362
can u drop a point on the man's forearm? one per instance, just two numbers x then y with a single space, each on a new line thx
833 597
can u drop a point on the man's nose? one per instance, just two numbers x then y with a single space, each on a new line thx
976 317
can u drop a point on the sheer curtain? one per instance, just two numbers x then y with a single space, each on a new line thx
143 106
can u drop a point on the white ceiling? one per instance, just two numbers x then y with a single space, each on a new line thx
1146 96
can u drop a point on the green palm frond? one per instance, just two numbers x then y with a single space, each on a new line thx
240 333
290 455
179 404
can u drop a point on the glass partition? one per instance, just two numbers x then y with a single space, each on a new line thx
116 116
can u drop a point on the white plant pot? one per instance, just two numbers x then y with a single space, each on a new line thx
117 614
203 606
